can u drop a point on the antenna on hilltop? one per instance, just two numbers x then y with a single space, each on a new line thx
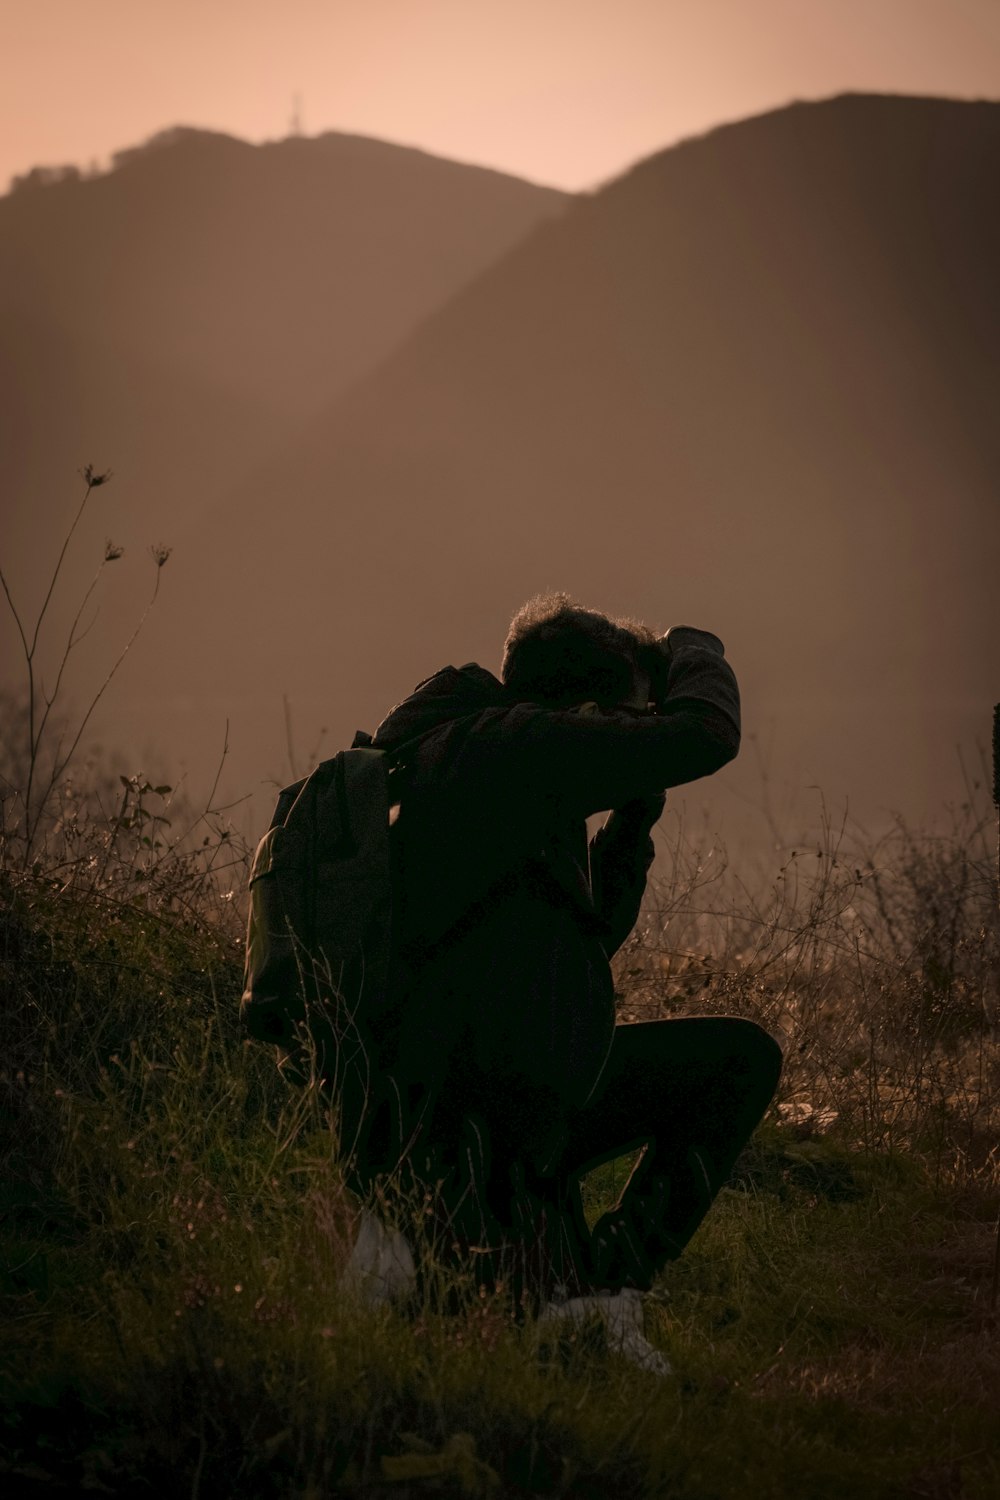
295 123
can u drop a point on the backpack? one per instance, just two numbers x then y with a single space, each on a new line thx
319 930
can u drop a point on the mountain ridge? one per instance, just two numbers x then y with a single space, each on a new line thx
796 315
749 383
46 175
241 285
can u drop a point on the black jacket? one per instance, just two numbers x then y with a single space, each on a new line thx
505 920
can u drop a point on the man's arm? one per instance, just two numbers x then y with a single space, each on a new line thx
582 763
620 856
622 851
690 664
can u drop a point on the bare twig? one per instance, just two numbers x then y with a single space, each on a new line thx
996 803
38 785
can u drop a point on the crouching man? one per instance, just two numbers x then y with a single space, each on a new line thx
499 1076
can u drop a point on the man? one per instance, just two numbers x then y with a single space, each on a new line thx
498 1075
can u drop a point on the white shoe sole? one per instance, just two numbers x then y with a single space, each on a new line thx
621 1313
380 1268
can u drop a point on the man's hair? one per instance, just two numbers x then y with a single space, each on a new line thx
559 653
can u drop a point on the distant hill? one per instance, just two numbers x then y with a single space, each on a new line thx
752 384
182 312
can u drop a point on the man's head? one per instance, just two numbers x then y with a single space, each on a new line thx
559 654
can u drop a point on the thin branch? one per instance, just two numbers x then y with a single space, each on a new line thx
218 772
288 736
31 702
71 642
13 610
59 563
60 766
182 838
228 806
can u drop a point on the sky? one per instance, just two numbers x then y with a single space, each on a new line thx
564 92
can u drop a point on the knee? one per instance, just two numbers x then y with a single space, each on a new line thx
759 1051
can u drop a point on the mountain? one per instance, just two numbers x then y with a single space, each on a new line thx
750 385
183 312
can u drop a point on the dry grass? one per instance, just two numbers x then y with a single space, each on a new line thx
175 1221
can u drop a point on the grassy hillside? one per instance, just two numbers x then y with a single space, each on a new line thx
174 1218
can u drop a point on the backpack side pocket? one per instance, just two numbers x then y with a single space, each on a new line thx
273 988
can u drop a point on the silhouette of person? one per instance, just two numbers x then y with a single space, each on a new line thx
499 1075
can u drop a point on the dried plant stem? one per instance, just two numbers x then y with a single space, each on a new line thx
60 766
34 739
996 803
34 794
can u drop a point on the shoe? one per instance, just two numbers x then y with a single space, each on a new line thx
380 1268
621 1314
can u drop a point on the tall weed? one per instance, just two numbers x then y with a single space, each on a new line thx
175 1217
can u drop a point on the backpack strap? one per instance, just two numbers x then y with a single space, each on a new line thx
418 955
320 896
535 869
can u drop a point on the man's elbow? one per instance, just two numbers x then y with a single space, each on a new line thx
719 742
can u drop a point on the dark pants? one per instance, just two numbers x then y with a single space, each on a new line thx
690 1092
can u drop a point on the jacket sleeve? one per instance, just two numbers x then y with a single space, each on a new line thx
580 764
620 856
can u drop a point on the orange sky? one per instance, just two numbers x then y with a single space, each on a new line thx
567 92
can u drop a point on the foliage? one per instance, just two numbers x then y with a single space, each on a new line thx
175 1220
877 965
37 760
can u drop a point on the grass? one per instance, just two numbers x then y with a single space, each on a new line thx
174 1218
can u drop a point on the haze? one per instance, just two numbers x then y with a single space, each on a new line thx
771 347
565 92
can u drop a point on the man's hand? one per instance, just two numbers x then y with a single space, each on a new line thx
687 635
660 656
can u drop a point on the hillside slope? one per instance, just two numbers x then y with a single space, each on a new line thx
187 310
751 384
